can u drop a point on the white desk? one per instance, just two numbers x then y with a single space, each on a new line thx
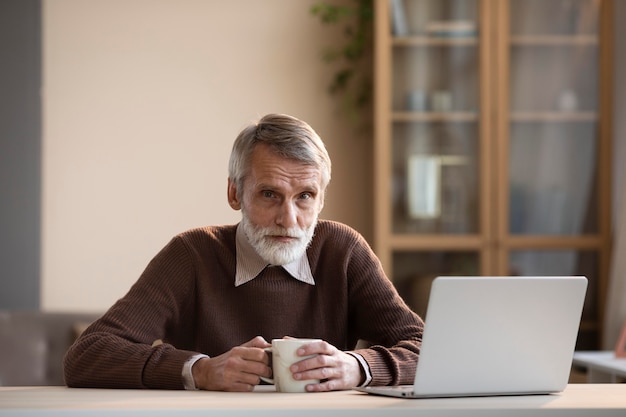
577 400
602 366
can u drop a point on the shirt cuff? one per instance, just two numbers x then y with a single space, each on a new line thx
188 381
364 366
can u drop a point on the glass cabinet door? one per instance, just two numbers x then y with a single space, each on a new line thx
435 108
433 143
492 143
553 126
556 130
553 84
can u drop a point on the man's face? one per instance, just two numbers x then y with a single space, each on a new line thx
280 202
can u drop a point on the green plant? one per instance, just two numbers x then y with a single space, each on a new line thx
352 57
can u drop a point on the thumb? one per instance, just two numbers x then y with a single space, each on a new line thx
258 342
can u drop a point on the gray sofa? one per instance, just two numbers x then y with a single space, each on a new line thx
32 345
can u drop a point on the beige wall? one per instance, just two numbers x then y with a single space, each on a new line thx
142 100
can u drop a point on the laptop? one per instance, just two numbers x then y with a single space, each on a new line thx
487 336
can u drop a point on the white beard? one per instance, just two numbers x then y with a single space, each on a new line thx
277 253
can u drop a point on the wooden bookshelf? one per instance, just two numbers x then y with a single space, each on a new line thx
532 195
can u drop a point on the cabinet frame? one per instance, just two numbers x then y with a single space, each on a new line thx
493 243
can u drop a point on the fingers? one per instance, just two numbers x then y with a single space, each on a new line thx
248 359
245 368
239 374
239 369
317 348
317 367
335 369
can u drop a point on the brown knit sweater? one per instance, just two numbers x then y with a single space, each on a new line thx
186 297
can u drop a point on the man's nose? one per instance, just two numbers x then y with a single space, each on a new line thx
287 216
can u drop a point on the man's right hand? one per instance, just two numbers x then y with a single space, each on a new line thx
239 369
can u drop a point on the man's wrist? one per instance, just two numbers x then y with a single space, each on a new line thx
365 369
188 382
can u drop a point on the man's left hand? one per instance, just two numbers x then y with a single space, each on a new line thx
335 369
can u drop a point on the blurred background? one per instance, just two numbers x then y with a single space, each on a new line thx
117 118
128 142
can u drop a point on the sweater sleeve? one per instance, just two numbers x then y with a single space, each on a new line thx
382 318
118 350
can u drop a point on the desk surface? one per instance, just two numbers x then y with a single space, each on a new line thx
577 399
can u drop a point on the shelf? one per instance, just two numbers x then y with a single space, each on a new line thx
554 40
436 242
554 242
409 116
517 242
431 41
554 116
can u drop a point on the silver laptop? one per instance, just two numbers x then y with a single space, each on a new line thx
496 336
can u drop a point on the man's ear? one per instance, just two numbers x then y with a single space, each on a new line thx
233 199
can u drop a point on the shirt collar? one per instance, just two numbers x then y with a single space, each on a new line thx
250 264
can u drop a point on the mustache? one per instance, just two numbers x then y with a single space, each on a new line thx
279 231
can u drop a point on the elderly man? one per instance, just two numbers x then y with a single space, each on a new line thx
203 311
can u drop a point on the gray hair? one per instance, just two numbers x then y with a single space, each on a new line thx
289 137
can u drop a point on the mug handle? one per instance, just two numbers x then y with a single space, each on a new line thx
263 378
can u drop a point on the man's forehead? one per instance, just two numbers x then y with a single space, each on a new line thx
280 176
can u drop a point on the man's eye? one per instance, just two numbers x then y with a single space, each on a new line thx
268 194
306 196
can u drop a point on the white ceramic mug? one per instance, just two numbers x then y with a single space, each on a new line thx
283 356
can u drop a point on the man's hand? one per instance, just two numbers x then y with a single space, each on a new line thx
239 369
335 369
